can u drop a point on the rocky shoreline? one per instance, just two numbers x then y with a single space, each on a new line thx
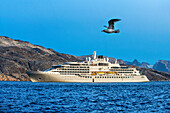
12 77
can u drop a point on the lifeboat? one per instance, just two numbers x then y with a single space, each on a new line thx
100 73
93 73
110 72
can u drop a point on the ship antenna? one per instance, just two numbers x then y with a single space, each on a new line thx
89 59
107 59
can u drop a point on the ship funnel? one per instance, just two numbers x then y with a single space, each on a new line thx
94 55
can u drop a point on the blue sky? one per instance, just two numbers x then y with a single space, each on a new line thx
74 26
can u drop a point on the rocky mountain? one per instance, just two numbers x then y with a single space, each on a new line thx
17 56
162 65
136 63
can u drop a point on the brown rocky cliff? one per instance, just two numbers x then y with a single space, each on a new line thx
18 56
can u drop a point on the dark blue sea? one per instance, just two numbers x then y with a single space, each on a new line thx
85 97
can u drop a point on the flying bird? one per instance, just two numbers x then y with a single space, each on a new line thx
110 29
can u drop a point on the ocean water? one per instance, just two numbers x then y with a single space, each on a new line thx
85 97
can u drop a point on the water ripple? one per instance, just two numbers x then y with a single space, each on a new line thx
84 97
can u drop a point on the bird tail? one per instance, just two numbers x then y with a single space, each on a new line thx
105 26
116 31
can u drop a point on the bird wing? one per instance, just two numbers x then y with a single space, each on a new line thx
111 23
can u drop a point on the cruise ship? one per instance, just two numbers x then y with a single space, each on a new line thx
97 70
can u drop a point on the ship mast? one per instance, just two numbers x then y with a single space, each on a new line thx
94 55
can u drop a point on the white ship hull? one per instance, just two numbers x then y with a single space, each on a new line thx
55 77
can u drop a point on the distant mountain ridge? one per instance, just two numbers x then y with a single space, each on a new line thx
161 65
18 56
136 63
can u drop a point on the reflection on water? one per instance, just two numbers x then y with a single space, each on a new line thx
84 97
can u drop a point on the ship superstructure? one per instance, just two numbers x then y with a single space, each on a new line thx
96 69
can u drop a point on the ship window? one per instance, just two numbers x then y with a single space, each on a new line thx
57 66
74 64
114 67
93 64
103 64
124 67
